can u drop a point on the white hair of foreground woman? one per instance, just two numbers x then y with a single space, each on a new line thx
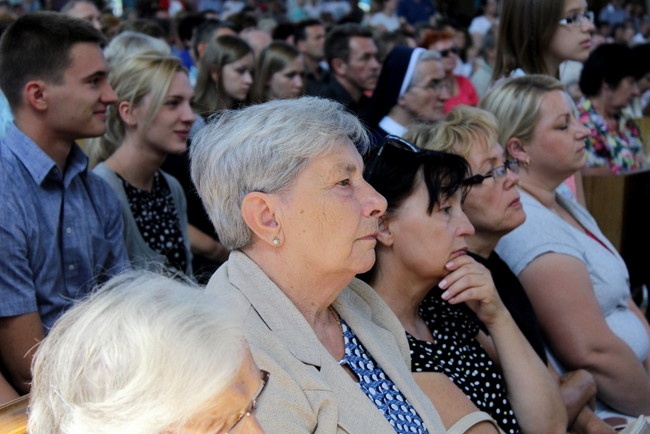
142 355
262 148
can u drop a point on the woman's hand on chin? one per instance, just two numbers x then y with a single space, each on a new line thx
470 282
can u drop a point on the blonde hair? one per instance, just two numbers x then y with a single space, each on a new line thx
148 73
516 104
464 127
143 355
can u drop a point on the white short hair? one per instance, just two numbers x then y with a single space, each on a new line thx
141 355
263 148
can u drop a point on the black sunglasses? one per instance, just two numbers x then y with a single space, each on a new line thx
394 142
445 53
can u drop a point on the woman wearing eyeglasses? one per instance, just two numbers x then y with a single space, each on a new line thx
553 31
422 245
493 206
536 36
147 354
461 89
411 89
577 282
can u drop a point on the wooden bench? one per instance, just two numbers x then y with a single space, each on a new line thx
621 206
13 416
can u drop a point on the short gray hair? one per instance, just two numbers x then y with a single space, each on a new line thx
263 148
142 355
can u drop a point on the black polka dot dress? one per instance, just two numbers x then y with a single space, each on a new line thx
456 353
157 220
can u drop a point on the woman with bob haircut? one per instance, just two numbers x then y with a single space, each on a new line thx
494 208
608 82
536 36
146 354
422 245
461 89
225 75
301 223
151 119
279 73
575 279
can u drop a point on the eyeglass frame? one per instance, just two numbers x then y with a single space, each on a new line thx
395 142
577 19
497 173
265 375
435 85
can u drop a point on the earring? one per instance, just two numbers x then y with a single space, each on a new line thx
527 162
276 241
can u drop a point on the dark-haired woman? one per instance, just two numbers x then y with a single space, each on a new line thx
422 245
608 81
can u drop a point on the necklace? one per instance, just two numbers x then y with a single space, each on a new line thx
336 317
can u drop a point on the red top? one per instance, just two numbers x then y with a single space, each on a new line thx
466 94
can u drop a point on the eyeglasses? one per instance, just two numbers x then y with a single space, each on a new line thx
496 173
253 404
394 142
445 53
577 19
434 85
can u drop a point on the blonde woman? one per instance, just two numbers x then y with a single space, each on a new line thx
577 282
151 119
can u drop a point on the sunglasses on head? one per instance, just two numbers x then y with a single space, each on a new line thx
389 141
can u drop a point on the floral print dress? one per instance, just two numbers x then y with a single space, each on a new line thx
621 150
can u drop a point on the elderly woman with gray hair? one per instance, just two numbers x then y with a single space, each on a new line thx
283 184
146 355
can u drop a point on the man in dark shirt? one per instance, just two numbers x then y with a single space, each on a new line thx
352 57
309 38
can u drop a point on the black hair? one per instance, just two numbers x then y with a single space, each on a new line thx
300 28
37 47
187 25
641 54
337 42
396 174
607 64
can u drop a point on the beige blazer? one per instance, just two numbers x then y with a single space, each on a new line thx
308 391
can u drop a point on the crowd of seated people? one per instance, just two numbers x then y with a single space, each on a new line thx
262 157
